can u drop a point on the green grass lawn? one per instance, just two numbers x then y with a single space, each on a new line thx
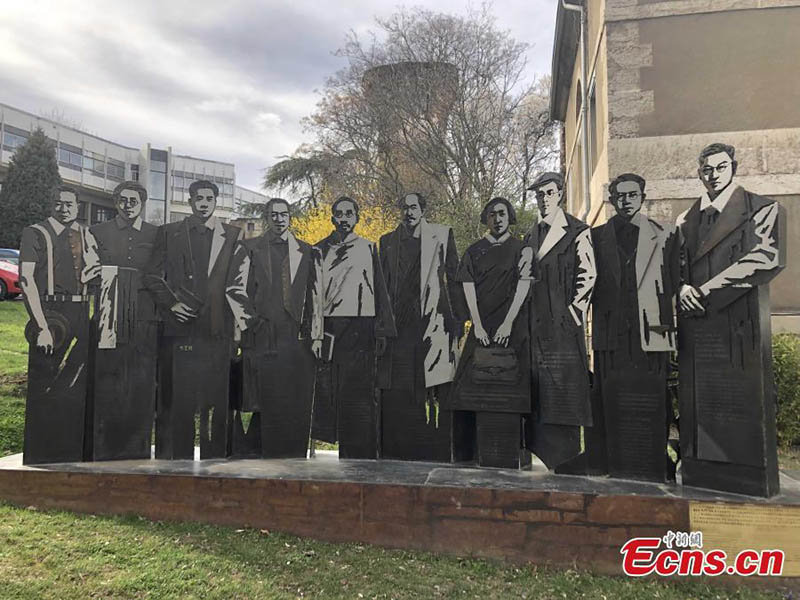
62 555
13 347
13 365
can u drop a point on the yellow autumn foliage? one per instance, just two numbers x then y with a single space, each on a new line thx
315 223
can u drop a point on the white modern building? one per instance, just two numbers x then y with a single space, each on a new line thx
96 165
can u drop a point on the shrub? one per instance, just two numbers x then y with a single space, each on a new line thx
314 224
786 361
29 189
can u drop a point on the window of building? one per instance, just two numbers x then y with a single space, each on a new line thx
158 185
95 163
70 156
134 173
116 172
12 141
575 183
72 160
116 169
594 134
101 214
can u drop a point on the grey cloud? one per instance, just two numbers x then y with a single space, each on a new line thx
276 54
272 43
128 72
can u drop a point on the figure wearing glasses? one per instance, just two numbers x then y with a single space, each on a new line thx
734 244
126 323
564 277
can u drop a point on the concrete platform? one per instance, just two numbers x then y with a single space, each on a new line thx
523 516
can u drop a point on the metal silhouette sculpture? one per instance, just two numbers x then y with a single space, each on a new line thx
420 261
58 259
125 339
522 382
493 378
187 276
352 321
633 334
560 295
269 291
734 245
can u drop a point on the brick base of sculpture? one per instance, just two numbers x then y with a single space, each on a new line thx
500 514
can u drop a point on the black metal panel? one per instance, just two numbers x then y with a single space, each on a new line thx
56 400
499 437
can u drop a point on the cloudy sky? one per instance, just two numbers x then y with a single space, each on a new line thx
228 81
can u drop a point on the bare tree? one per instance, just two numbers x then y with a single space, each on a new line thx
533 146
59 115
437 104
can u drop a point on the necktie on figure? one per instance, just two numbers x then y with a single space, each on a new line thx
544 228
709 216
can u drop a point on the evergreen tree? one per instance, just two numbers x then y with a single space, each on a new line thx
29 188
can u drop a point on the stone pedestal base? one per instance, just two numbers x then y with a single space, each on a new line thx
522 516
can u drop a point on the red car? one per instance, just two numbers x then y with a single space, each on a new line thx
9 280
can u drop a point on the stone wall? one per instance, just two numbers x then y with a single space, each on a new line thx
623 10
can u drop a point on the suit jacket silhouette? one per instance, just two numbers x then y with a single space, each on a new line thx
441 300
726 384
564 276
657 278
252 277
176 271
